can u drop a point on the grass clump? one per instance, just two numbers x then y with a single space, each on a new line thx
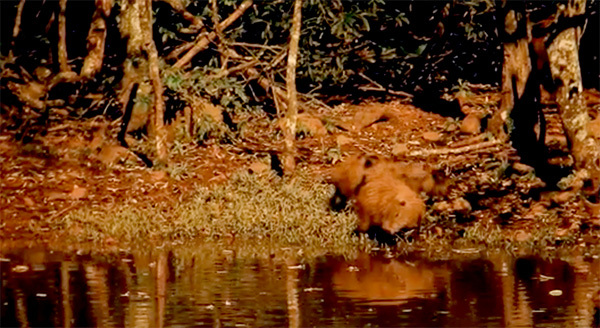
289 212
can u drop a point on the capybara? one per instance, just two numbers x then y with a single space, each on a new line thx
418 177
347 176
388 203
350 174
385 193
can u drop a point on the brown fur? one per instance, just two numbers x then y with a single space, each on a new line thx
385 193
389 204
418 177
350 173
347 175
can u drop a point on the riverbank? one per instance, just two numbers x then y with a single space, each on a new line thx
74 186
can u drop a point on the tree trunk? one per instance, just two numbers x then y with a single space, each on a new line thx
62 38
516 63
135 66
289 163
563 55
154 73
96 40
142 68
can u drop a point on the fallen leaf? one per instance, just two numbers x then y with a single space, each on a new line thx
158 175
399 149
522 168
471 124
343 140
28 201
78 192
522 236
432 136
369 116
594 128
52 195
562 196
312 124
112 154
259 167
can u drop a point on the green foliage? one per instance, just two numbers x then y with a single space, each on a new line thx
201 83
397 44
477 10
205 128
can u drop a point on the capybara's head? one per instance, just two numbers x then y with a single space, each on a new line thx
347 178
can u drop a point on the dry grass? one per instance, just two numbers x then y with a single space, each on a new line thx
256 214
287 212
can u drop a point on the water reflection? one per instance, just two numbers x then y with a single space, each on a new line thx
381 281
216 287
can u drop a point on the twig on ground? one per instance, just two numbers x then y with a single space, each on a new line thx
379 87
460 150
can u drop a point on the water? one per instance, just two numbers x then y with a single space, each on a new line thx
219 288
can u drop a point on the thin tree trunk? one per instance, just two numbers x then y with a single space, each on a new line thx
154 73
62 38
516 63
219 31
16 29
289 163
96 39
131 30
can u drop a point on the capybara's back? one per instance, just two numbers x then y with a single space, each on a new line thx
389 204
386 194
418 177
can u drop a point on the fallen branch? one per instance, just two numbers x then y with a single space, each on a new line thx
379 87
453 151
274 48
225 72
253 73
183 48
469 141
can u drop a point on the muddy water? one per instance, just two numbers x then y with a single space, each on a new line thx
208 287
